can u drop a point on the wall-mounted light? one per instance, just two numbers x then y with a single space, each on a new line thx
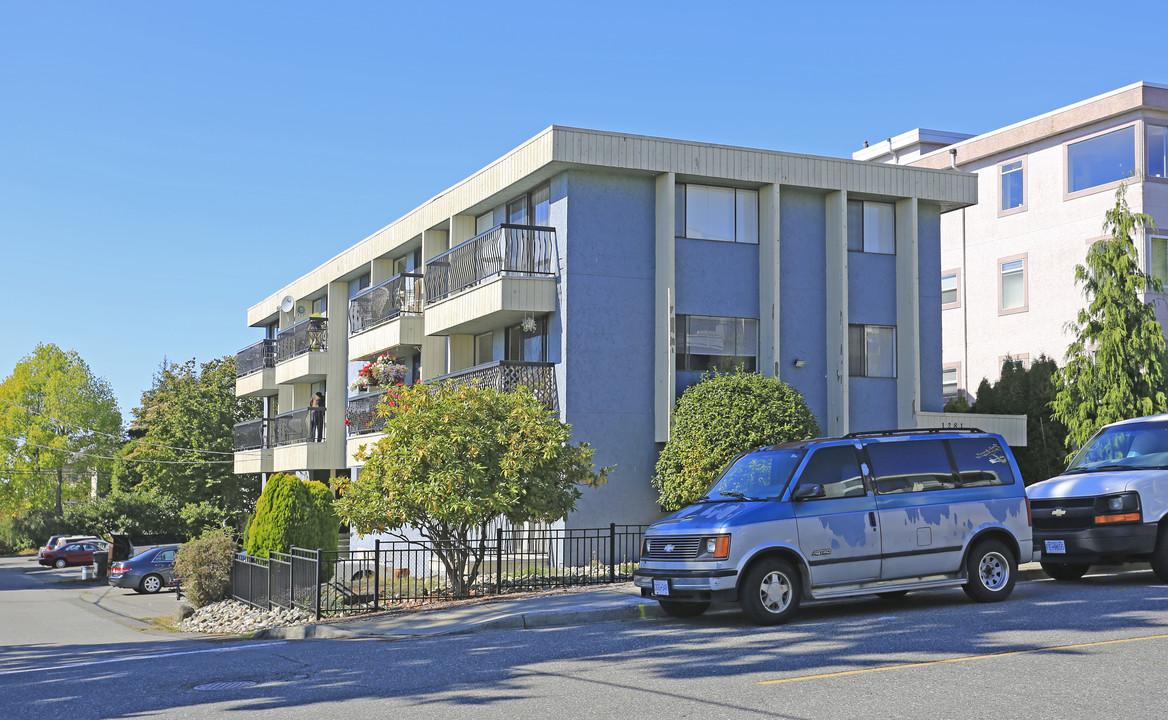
800 363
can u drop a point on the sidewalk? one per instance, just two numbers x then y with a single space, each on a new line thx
605 603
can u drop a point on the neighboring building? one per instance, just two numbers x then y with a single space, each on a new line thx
1045 184
608 271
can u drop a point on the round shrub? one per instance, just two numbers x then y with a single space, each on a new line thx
718 418
203 567
292 513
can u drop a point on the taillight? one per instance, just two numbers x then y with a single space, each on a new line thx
1029 518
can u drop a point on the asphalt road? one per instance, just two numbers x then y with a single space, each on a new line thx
1092 649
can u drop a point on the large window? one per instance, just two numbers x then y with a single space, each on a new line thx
716 343
1158 258
981 461
1102 159
836 470
872 351
871 227
1157 151
705 212
910 466
483 347
527 346
1012 285
950 297
1013 186
950 381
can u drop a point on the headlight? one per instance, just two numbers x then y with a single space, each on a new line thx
716 547
1122 508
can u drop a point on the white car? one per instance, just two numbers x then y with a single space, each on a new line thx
1109 505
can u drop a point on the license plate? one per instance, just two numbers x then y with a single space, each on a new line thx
660 587
1056 547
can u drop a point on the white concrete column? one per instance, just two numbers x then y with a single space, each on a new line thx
908 308
664 301
336 375
380 270
837 313
768 281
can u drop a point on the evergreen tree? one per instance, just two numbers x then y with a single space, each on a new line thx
1115 364
292 513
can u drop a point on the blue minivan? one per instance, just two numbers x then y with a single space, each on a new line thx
877 513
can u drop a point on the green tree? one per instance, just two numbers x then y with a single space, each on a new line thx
720 417
183 434
455 457
1029 392
1115 364
139 512
292 513
57 420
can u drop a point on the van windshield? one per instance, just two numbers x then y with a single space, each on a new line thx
755 476
1133 446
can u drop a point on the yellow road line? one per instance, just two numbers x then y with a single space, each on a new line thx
961 659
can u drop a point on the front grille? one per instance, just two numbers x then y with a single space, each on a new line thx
1063 514
678 547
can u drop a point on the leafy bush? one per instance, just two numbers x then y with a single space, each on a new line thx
718 418
204 567
291 512
139 512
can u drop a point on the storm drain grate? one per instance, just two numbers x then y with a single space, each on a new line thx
238 684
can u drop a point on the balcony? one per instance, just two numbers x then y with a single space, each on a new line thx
301 351
361 416
255 369
386 315
509 375
492 279
253 445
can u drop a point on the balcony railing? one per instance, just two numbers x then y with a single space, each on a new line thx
253 435
291 427
254 358
502 250
509 375
382 303
309 335
361 416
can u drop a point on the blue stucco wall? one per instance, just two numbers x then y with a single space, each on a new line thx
803 295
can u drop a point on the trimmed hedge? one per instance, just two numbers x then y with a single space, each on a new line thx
292 512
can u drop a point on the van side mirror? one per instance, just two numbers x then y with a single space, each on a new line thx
809 492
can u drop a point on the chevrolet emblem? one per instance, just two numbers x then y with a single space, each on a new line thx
669 547
1058 512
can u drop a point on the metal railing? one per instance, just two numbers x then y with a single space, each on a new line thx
254 358
293 427
401 294
504 249
508 375
308 335
253 434
361 416
512 559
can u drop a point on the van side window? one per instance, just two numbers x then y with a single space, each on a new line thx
911 466
837 470
981 462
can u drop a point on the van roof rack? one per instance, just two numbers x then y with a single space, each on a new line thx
912 431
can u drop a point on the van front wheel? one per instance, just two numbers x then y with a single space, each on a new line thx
992 570
770 592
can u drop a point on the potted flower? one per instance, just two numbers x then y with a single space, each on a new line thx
385 370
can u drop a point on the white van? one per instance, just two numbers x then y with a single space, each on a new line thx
1109 505
869 513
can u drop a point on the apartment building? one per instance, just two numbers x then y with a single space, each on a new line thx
1044 186
607 271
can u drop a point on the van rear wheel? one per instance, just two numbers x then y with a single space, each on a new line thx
1065 571
770 593
674 608
992 570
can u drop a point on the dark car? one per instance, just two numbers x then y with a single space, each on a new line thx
147 572
75 553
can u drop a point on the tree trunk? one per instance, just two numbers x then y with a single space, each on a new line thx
60 481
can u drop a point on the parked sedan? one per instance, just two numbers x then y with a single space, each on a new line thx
75 553
57 541
147 572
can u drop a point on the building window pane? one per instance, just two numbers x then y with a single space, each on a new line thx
527 346
871 227
1157 151
482 347
855 226
1012 185
872 351
517 211
716 343
1158 259
709 213
746 216
949 382
484 222
679 210
541 206
1013 284
949 289
1101 160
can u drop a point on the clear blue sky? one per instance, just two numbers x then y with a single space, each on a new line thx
164 166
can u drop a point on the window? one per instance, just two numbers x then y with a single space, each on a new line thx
1157 138
950 297
910 466
356 286
872 351
408 263
483 348
1102 159
950 385
981 461
320 305
1012 285
533 208
871 227
716 213
725 344
527 346
484 222
1018 361
1158 258
1013 186
836 470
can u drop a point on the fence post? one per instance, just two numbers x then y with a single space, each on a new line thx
499 560
612 552
318 579
376 572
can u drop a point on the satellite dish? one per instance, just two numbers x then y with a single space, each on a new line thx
287 303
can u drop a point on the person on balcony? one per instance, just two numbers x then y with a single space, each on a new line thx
316 418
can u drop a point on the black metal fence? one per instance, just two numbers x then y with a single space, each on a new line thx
385 301
361 416
254 358
293 427
404 572
508 375
504 249
308 335
253 434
